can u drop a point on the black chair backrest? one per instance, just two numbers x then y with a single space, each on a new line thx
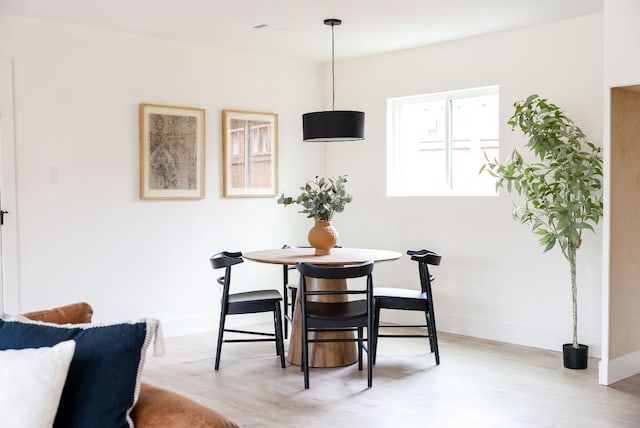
335 272
225 259
424 258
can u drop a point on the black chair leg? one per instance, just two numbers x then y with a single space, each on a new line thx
285 302
294 293
433 337
360 336
369 361
371 338
429 330
376 331
275 330
431 321
279 340
305 359
220 339
437 352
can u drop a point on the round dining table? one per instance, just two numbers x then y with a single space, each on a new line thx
321 354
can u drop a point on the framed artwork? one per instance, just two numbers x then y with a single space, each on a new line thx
250 153
171 152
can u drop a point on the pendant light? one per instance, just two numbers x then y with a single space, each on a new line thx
333 125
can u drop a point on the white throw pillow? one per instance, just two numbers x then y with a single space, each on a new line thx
31 382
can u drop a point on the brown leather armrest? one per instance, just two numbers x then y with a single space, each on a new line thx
159 408
76 313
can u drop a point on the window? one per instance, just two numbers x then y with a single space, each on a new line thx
436 143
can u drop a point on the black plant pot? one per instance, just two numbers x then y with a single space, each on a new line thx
575 358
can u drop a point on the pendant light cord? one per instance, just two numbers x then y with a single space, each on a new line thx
333 70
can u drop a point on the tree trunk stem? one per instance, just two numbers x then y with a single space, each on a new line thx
574 292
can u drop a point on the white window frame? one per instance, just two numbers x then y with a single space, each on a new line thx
394 151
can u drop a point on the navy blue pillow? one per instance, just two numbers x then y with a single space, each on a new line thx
102 384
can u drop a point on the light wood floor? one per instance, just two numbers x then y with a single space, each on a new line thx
479 383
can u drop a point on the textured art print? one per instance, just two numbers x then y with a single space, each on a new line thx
172 152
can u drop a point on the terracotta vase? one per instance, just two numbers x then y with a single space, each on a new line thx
323 237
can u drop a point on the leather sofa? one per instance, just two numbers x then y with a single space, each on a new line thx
156 407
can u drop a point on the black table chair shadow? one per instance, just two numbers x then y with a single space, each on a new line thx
347 315
249 302
410 300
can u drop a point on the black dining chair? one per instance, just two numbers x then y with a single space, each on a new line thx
248 302
344 316
410 300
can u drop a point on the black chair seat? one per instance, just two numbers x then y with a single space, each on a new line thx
330 313
400 299
266 295
253 302
400 293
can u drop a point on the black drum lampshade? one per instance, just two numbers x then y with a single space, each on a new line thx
333 125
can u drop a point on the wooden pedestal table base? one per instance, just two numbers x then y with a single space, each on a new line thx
322 354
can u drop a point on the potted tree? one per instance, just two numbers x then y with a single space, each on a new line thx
321 199
561 189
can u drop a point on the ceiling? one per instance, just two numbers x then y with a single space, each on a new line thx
294 28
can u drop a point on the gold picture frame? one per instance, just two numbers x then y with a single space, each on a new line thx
250 154
172 152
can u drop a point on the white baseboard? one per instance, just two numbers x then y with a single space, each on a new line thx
509 333
619 368
189 325
203 323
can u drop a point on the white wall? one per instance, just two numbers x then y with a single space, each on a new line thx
89 237
494 281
